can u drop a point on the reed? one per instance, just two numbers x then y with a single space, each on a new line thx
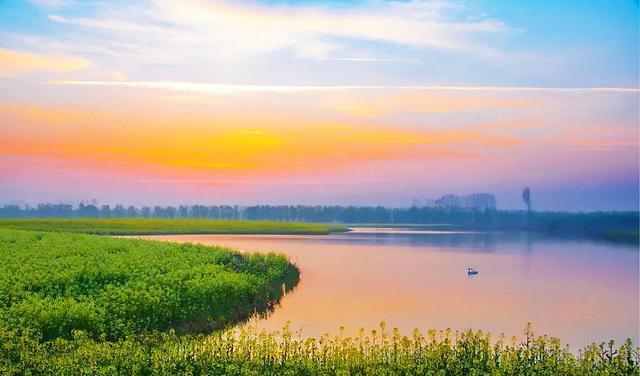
246 351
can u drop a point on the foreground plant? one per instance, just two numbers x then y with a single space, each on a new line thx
249 352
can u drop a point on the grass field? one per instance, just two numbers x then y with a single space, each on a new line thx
150 226
54 283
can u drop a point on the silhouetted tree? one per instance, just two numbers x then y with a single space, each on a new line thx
131 212
526 197
105 211
119 211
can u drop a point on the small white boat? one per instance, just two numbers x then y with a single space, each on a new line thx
471 271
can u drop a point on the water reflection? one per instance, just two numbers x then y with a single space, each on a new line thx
578 290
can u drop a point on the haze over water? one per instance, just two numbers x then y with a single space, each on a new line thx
578 290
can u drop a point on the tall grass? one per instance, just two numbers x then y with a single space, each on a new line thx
249 352
150 226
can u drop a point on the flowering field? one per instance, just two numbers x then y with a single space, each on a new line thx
54 283
150 226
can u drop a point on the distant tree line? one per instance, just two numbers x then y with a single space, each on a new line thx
452 217
120 211
300 213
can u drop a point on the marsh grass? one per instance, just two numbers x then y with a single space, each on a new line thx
155 226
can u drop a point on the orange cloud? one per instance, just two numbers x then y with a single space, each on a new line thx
14 63
376 104
602 145
601 137
222 147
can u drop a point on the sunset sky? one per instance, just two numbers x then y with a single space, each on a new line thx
319 102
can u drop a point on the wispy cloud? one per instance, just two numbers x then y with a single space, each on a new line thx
203 29
222 89
13 63
53 3
604 145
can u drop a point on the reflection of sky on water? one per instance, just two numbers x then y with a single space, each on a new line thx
459 241
578 290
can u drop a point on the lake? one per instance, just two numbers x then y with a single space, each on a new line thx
581 291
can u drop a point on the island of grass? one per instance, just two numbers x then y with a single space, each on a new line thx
154 226
53 283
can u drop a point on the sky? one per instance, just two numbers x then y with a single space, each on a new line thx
320 102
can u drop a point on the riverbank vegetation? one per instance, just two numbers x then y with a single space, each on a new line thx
151 226
248 352
52 284
73 304
630 236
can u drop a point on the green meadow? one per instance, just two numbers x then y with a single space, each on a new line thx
54 283
151 226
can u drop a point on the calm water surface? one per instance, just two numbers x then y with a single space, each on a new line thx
580 291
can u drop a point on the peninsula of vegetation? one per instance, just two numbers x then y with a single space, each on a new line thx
52 284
